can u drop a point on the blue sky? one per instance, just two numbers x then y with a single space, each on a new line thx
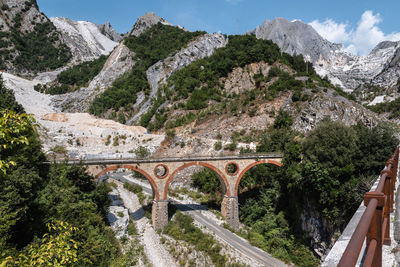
356 23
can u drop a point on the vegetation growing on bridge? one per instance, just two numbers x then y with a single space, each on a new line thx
329 170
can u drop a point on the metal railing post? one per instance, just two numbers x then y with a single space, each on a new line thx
375 233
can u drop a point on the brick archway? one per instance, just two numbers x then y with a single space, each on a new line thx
273 162
221 176
134 168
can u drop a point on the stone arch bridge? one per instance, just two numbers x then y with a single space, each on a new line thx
161 171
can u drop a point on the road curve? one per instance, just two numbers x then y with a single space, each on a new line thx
230 238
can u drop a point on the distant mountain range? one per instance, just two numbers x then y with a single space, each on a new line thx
381 67
77 41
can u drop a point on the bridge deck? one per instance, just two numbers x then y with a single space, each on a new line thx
170 159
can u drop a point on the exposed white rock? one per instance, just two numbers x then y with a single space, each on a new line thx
353 71
119 62
33 102
297 38
336 108
381 67
381 99
118 215
83 38
85 136
201 47
80 134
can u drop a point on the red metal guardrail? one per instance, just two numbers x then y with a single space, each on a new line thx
375 222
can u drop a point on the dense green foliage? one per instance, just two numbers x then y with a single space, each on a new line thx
392 107
341 156
198 85
240 51
207 182
33 195
154 45
7 100
74 78
330 170
39 50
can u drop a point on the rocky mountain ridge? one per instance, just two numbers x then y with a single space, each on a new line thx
344 69
85 39
157 74
145 22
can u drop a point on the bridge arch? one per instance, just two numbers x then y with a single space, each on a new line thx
242 173
222 178
134 168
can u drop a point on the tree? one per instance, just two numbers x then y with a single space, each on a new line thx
57 248
12 128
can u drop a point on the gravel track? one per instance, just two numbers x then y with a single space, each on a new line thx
155 251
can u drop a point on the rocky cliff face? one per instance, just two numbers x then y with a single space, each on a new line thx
337 108
390 74
145 22
85 39
329 59
317 229
157 74
119 62
297 38
22 28
350 71
107 30
20 14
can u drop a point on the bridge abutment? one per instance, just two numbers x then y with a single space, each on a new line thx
230 211
159 214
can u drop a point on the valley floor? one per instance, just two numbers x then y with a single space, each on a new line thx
235 247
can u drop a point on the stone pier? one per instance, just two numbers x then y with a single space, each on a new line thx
159 214
230 211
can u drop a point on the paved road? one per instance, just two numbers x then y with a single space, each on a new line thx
235 241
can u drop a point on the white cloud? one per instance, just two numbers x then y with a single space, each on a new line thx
332 31
357 41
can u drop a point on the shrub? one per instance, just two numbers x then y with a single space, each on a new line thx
218 146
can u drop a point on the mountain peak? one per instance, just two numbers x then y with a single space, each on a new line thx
109 31
146 21
296 37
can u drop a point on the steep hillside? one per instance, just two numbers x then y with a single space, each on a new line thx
85 39
29 41
118 63
155 44
239 80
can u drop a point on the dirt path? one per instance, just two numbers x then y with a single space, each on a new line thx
155 251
